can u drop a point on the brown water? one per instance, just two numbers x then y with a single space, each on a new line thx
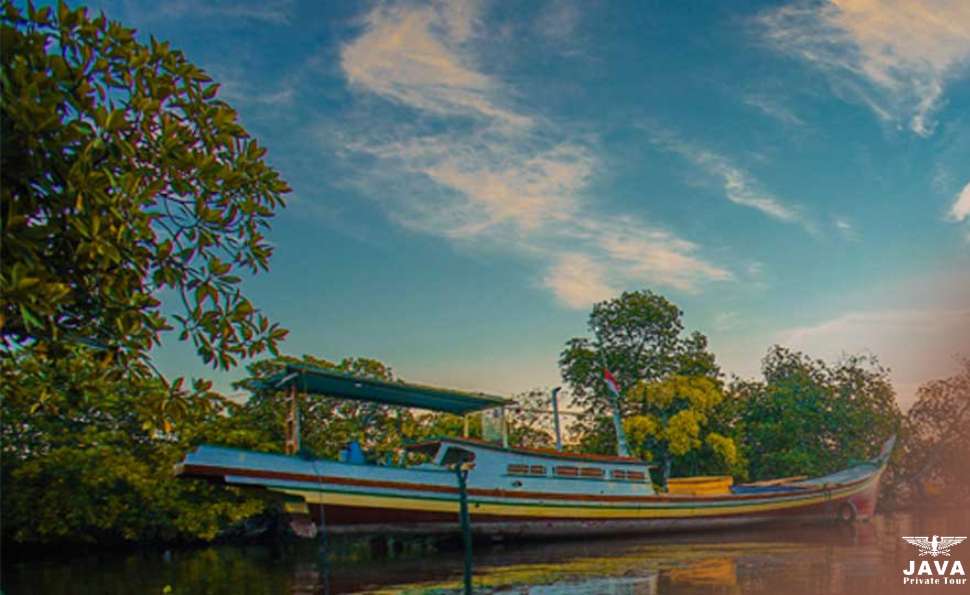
865 558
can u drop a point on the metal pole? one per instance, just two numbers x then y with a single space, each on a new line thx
622 449
555 415
466 526
292 444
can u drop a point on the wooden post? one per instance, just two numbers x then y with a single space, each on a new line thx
292 445
465 418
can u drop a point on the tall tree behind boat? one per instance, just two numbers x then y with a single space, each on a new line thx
639 336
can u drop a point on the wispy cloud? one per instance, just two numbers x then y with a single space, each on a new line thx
727 321
846 228
419 57
276 12
739 186
496 173
960 211
773 108
558 21
240 93
578 281
895 56
646 254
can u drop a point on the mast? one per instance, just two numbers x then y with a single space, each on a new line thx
555 415
622 448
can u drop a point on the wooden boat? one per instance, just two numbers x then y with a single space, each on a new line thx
510 491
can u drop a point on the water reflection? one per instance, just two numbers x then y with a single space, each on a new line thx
863 558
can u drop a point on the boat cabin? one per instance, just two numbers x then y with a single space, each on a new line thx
491 464
531 469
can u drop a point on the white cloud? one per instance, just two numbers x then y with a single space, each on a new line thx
416 56
650 255
493 185
895 56
498 175
578 281
960 210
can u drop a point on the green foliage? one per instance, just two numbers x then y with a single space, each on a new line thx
671 420
809 417
639 336
124 178
935 448
91 461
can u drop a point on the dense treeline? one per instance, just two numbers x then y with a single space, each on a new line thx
125 178
94 463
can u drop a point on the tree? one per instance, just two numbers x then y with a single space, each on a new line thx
639 337
671 421
936 447
91 461
123 177
809 417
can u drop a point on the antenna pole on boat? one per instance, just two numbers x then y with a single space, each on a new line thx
505 430
555 415
292 445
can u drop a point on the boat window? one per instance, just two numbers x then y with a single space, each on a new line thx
526 470
587 472
566 471
457 455
623 475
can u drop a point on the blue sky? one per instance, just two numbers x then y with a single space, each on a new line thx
470 177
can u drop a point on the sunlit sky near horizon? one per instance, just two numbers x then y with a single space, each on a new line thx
470 177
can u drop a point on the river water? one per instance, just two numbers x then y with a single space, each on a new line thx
864 558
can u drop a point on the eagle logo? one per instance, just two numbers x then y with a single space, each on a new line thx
937 546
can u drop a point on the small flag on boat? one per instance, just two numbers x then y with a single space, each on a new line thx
611 382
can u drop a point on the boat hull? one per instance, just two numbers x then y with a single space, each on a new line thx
370 515
373 499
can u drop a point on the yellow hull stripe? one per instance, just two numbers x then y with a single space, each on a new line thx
579 512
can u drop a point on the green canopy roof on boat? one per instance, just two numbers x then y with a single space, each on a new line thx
320 381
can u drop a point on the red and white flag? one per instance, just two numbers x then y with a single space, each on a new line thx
611 382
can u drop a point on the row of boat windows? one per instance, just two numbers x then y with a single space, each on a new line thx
570 471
